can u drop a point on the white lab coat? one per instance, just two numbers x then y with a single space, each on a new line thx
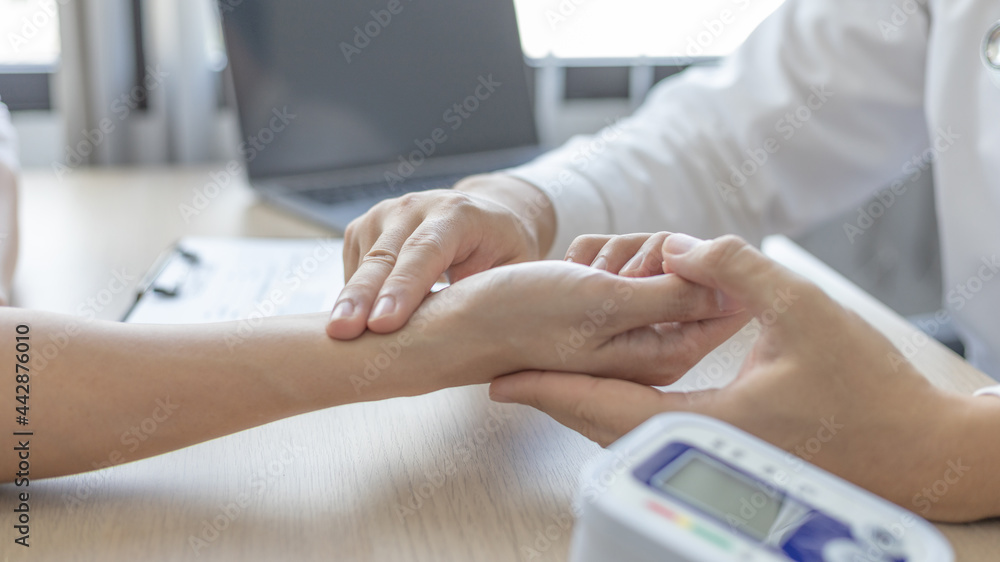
8 140
827 103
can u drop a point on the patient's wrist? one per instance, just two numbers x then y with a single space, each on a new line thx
965 485
985 415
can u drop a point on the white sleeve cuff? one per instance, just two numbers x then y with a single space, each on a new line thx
989 390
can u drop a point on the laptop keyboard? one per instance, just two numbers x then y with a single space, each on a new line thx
380 190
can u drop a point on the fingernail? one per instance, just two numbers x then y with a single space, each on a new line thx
384 307
600 263
726 302
500 398
344 309
680 244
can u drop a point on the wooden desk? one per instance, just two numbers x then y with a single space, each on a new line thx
449 476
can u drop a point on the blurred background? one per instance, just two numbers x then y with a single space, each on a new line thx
157 70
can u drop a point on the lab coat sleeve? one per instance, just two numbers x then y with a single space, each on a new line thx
8 140
821 107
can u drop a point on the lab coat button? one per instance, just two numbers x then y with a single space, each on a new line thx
991 47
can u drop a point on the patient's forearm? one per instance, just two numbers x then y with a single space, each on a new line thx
118 392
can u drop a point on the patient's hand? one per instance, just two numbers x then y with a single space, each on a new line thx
629 255
564 316
820 383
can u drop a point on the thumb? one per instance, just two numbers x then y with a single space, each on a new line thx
734 267
601 409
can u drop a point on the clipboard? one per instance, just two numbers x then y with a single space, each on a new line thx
206 279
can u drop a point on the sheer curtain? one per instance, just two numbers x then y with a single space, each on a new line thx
130 97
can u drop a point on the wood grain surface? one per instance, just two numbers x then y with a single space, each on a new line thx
449 476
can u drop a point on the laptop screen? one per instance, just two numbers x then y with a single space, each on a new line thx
324 85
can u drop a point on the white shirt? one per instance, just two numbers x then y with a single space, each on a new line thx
828 102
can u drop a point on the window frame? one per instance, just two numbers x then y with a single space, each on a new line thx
27 87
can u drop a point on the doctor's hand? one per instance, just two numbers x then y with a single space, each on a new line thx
819 382
395 252
558 315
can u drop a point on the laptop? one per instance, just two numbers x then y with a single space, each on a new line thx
345 103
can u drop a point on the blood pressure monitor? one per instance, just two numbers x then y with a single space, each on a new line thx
683 487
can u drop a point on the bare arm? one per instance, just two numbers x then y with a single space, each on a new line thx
91 385
89 400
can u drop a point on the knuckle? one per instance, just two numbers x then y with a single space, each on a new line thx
380 256
351 232
428 240
408 201
722 250
457 206
655 242
733 244
627 242
586 244
684 296
378 211
457 198
592 240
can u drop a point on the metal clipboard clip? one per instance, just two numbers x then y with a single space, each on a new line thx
167 276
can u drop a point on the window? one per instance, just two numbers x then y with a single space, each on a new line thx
634 28
30 32
29 52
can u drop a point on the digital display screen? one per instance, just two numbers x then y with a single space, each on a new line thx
733 498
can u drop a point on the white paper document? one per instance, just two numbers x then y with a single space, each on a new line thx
204 280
